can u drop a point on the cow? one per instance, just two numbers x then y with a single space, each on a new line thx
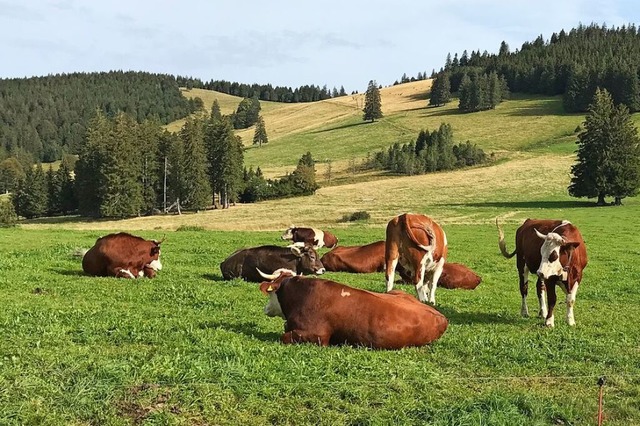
370 258
419 245
556 252
329 313
244 263
313 236
123 255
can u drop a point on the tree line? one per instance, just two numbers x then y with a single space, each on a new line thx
264 92
430 152
43 118
126 169
572 63
476 92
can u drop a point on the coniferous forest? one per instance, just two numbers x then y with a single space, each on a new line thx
570 63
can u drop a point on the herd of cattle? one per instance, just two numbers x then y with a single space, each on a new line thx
326 312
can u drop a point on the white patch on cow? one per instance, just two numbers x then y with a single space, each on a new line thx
127 272
543 304
319 238
155 264
140 274
571 300
445 239
288 234
392 275
552 243
550 322
434 280
273 308
524 309
344 293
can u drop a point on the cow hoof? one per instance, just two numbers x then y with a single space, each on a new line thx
571 323
549 323
525 314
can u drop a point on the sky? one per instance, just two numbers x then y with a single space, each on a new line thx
284 43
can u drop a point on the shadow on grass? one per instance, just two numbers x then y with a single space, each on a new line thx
455 317
69 272
213 277
249 329
52 220
529 204
344 126
428 112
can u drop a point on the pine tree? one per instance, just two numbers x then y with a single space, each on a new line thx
372 102
30 199
260 134
440 90
67 201
216 114
225 158
608 162
90 182
54 189
196 189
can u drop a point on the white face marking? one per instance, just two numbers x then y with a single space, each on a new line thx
551 245
344 293
156 265
288 234
273 308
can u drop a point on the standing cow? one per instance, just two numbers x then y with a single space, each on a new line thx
245 263
123 255
418 244
556 252
329 313
312 236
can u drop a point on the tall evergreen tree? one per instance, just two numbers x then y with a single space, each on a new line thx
440 90
54 188
260 134
30 199
90 182
608 162
196 190
225 161
216 113
372 103
67 201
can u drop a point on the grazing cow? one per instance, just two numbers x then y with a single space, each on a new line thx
419 245
370 258
315 237
556 252
244 263
329 313
123 255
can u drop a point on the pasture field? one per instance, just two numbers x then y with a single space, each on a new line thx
191 348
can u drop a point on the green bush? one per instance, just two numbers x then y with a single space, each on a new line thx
190 228
356 216
8 216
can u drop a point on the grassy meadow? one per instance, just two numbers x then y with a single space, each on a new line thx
190 348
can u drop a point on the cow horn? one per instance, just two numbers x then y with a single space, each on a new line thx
268 276
539 234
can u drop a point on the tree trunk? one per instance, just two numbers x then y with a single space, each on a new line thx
601 201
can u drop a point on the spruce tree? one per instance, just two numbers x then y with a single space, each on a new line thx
216 114
372 103
54 189
608 153
225 158
260 134
30 199
67 201
441 90
196 188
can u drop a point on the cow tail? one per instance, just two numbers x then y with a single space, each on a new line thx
502 244
430 234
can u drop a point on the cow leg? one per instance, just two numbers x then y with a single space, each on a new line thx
551 295
390 272
300 336
121 272
524 287
434 281
571 300
541 289
418 280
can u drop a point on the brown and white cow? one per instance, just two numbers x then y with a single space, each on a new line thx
313 236
370 258
419 244
556 252
245 263
123 255
329 313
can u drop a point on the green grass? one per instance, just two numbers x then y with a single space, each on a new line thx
190 348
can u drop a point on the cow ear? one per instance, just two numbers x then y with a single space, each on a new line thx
572 244
296 250
267 287
155 250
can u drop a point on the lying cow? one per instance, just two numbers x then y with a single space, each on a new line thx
312 236
123 255
370 258
244 263
419 245
329 313
556 252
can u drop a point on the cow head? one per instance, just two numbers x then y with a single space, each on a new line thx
288 234
270 288
554 247
308 259
154 254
